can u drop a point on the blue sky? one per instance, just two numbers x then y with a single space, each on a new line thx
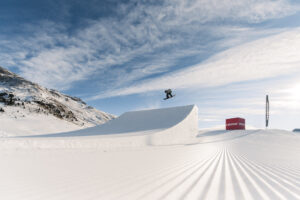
224 56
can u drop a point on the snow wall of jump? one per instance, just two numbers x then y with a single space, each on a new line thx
166 126
181 132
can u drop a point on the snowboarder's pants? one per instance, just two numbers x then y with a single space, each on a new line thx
169 95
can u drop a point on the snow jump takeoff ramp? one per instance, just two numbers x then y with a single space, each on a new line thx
175 125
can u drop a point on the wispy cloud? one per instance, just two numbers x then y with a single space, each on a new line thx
264 58
145 39
237 10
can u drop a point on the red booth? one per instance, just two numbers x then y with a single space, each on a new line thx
235 124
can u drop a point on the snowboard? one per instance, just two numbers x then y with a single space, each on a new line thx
170 97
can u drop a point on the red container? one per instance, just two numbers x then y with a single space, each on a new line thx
235 124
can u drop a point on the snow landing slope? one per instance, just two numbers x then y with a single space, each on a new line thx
28 108
222 165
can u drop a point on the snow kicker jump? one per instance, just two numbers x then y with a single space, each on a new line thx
173 125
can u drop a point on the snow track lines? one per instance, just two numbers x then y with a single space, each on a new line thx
224 174
217 170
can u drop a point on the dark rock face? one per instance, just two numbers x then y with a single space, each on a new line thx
58 110
8 98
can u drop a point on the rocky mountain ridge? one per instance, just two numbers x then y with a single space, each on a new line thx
20 97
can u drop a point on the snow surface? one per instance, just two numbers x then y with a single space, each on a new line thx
18 122
251 164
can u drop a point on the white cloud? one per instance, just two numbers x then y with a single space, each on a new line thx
286 98
264 58
237 10
165 33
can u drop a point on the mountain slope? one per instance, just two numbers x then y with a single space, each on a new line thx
28 108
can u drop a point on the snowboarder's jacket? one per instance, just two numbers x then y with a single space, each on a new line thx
168 91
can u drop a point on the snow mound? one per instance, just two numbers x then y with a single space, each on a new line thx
176 125
138 121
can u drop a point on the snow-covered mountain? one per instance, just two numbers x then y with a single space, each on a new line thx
28 108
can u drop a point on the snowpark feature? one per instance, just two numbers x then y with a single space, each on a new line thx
252 164
176 125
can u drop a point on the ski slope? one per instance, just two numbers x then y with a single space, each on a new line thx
251 164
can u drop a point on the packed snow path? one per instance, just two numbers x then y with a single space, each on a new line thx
238 165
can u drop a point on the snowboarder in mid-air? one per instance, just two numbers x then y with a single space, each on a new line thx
168 94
